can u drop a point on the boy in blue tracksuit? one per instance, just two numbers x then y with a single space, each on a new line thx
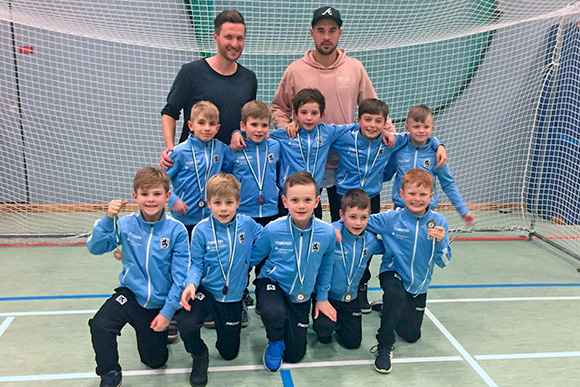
419 153
299 248
256 165
221 251
351 255
415 239
155 255
194 162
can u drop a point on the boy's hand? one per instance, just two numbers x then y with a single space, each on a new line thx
160 323
338 235
325 308
180 207
469 218
437 232
165 161
441 156
188 294
237 141
389 138
292 129
115 206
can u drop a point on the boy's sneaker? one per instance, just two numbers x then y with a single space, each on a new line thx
245 320
111 379
172 333
383 360
273 355
248 300
377 305
198 376
365 307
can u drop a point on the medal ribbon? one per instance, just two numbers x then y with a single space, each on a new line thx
259 179
363 179
350 277
307 162
231 247
208 170
299 256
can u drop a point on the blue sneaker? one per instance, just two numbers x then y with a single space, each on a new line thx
273 355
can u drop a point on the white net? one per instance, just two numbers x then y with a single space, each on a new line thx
84 84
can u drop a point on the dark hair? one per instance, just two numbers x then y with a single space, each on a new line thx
228 16
300 178
373 106
419 113
355 197
308 95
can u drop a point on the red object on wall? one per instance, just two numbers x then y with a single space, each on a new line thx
26 49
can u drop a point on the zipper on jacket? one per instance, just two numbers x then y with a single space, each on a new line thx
413 258
147 268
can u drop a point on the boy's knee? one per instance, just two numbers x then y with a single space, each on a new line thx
229 353
158 360
411 337
99 324
273 312
294 356
350 343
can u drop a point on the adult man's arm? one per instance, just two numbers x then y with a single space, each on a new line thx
168 124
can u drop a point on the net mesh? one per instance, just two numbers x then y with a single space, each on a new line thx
84 83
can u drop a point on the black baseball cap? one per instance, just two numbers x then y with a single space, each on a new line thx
327 12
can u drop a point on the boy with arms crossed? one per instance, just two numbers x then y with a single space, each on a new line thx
350 260
221 247
299 248
155 256
415 239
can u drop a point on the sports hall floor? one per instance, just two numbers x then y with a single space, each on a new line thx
503 313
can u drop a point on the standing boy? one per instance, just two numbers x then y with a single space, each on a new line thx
419 153
256 165
194 162
299 248
155 255
351 256
415 239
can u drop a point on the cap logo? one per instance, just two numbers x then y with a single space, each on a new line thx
327 12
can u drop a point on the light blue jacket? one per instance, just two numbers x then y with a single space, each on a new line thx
205 265
184 178
424 157
300 153
265 167
358 250
155 258
408 249
281 246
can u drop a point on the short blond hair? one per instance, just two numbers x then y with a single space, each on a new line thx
208 109
149 177
418 177
419 113
256 109
223 185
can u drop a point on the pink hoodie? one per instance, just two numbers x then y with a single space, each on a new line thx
344 85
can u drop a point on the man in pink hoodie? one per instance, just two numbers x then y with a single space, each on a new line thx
342 80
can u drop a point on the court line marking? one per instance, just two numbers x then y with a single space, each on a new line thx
286 376
5 324
171 371
540 355
473 286
435 301
460 349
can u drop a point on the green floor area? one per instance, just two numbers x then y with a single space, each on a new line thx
502 313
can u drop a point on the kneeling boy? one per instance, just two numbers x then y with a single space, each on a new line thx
415 239
155 256
299 249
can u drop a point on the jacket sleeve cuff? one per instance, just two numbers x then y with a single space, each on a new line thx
172 200
169 310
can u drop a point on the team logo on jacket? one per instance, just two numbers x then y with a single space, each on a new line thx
271 158
381 151
242 237
216 159
427 163
164 243
316 247
365 252
121 299
319 140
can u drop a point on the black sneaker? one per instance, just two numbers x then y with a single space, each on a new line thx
363 300
245 318
383 360
111 379
172 333
198 376
208 322
248 300
377 305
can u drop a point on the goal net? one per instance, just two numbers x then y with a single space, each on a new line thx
84 82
